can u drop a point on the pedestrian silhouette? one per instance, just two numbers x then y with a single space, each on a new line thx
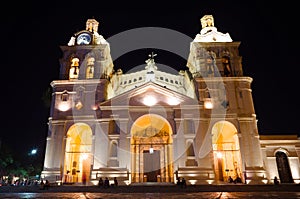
276 182
183 183
47 185
115 182
42 184
100 182
179 181
106 183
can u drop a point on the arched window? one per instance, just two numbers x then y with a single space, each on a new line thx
90 68
283 167
226 65
74 69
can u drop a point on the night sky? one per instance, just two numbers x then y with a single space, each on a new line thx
33 31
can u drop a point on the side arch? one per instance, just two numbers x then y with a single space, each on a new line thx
78 154
226 150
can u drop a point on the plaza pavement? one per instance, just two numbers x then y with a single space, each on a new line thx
151 188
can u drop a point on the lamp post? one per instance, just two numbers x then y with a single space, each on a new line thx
34 164
31 168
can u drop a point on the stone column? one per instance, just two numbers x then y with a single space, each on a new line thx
251 151
166 163
170 162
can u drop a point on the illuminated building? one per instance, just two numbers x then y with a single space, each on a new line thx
154 126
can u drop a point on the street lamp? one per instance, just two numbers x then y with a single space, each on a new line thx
33 151
31 169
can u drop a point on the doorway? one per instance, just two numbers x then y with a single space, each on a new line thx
151 165
151 150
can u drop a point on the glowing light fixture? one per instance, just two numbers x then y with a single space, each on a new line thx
94 107
209 181
64 106
193 182
33 151
127 182
149 100
173 101
84 156
151 150
208 104
78 105
219 155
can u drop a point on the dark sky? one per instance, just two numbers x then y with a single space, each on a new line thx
33 31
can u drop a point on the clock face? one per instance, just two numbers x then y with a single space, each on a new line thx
84 38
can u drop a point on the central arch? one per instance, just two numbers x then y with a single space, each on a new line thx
151 150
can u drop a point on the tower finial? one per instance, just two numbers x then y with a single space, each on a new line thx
207 21
92 25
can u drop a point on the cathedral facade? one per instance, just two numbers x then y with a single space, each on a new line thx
154 126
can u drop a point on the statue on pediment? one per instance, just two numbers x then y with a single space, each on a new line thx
151 63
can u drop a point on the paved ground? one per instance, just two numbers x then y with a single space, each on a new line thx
154 189
231 191
198 195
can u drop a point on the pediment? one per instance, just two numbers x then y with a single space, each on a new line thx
150 94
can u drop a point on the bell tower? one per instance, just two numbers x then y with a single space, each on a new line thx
85 70
229 124
87 55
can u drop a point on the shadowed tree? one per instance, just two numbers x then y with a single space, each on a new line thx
46 97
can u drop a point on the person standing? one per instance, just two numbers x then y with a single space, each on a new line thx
183 183
106 183
42 184
276 182
47 185
100 182
179 181
115 182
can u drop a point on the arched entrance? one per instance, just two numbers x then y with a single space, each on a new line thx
151 150
77 162
283 167
226 150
